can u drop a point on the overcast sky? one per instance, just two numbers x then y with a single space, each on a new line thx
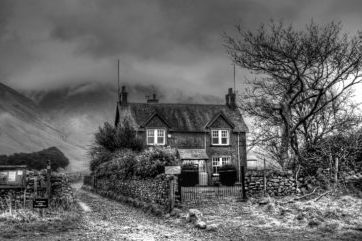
48 44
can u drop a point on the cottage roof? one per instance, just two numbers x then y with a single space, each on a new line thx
180 117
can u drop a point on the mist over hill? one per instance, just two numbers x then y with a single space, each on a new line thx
23 128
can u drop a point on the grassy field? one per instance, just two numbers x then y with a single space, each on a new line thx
329 218
26 223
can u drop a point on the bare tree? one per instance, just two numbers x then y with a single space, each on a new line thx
299 73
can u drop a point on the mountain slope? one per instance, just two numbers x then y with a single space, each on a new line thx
22 129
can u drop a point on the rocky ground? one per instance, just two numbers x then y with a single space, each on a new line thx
99 218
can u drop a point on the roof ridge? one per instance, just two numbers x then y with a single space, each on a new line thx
176 104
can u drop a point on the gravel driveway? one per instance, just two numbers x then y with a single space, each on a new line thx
105 219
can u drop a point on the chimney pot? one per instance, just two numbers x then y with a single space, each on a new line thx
230 99
153 100
123 96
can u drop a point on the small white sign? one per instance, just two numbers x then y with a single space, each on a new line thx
172 170
20 172
12 176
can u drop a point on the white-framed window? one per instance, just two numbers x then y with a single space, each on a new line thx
219 161
220 137
156 137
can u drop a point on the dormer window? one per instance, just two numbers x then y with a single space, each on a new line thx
156 136
220 137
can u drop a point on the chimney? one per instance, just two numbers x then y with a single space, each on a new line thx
231 99
123 96
154 99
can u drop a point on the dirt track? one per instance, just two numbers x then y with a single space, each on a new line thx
109 220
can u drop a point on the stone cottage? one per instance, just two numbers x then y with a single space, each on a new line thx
208 135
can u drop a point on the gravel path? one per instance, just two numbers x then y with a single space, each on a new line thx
105 219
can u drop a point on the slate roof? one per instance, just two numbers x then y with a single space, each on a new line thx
180 117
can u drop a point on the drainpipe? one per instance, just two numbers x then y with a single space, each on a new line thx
239 158
207 161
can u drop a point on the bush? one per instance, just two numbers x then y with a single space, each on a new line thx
125 164
121 165
115 138
227 175
37 160
152 162
99 155
109 140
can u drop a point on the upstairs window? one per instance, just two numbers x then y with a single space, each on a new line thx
218 162
156 137
220 137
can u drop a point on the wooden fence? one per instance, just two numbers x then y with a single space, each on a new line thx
209 192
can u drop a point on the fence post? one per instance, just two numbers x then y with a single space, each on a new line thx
36 185
48 180
336 174
264 178
172 193
243 183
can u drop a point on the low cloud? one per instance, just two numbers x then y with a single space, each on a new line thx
176 45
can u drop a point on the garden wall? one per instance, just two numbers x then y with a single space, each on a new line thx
152 191
277 183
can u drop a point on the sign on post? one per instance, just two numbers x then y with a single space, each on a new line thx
40 203
172 170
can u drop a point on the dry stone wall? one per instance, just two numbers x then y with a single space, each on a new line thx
61 191
152 191
277 183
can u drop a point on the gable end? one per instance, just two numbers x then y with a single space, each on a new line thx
220 121
155 120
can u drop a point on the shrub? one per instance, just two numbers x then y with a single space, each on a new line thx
115 138
152 162
125 164
109 140
120 166
99 155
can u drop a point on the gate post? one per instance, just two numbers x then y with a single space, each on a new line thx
48 187
172 192
243 183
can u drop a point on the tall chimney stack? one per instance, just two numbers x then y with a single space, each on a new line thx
123 96
231 99
154 99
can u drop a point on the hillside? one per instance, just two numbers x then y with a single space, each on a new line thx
22 129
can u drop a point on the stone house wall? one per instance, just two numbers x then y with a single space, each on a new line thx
185 140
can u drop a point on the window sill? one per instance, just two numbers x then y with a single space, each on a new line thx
220 145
